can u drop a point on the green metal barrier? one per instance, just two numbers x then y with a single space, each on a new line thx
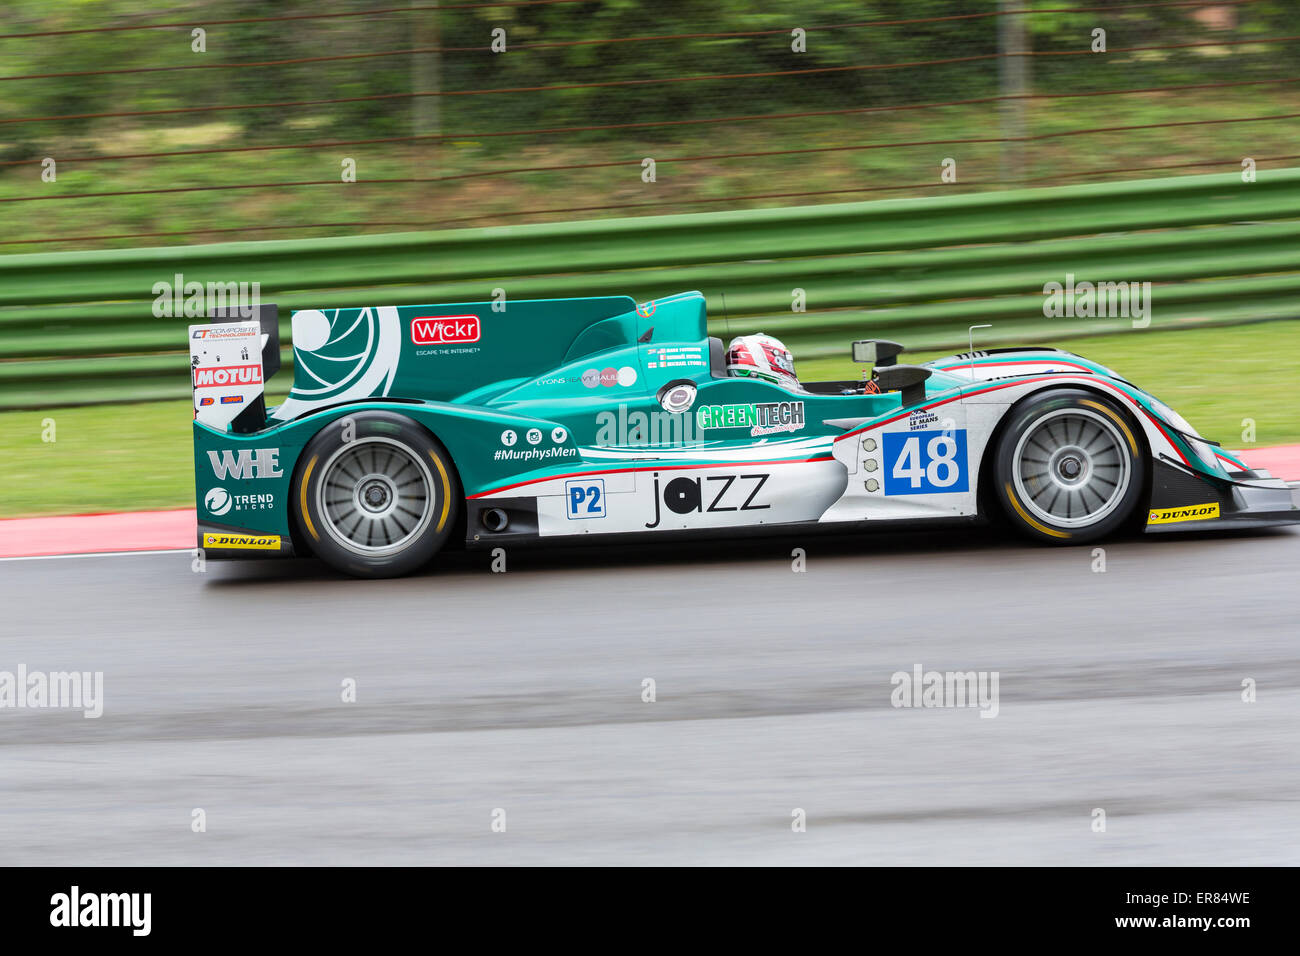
79 327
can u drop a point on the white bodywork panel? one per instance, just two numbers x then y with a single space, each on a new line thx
920 463
225 370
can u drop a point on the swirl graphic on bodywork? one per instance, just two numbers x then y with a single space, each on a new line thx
341 355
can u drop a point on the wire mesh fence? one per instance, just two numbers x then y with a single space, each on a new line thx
128 124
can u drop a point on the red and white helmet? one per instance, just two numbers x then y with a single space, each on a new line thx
762 356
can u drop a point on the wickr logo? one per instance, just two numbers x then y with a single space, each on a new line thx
196 300
946 689
75 908
68 690
445 329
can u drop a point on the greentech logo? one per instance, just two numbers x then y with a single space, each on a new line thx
767 418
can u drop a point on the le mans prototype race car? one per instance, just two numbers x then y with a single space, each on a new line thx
412 428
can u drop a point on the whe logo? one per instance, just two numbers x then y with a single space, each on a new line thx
246 463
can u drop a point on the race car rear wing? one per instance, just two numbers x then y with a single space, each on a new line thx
231 357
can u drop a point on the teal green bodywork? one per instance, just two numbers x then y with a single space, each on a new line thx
531 368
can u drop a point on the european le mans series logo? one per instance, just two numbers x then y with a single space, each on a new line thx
1190 513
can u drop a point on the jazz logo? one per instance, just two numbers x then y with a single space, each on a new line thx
586 498
925 462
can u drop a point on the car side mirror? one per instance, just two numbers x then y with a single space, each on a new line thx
878 352
908 379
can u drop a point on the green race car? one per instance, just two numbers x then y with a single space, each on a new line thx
414 428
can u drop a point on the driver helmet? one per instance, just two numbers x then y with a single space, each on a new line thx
762 356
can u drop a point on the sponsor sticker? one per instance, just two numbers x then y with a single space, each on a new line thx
246 463
921 418
765 418
925 462
445 329
243 542
1189 513
219 501
228 375
220 332
585 498
685 495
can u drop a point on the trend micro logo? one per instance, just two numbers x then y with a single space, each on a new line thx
340 355
217 501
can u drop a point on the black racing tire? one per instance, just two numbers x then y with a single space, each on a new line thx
375 495
1069 467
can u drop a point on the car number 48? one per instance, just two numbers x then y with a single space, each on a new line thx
925 462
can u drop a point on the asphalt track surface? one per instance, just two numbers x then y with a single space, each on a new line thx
522 691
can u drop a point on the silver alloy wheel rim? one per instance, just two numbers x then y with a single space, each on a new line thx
1070 468
375 496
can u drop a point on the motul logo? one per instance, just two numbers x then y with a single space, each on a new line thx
444 329
230 375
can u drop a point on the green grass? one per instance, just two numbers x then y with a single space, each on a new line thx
135 457
1097 156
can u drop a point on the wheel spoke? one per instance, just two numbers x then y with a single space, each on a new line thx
375 496
1083 497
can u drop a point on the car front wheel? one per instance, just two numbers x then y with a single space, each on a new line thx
1069 467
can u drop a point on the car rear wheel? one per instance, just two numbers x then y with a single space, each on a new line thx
1069 467
376 494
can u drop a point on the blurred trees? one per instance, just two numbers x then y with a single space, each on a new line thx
470 65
